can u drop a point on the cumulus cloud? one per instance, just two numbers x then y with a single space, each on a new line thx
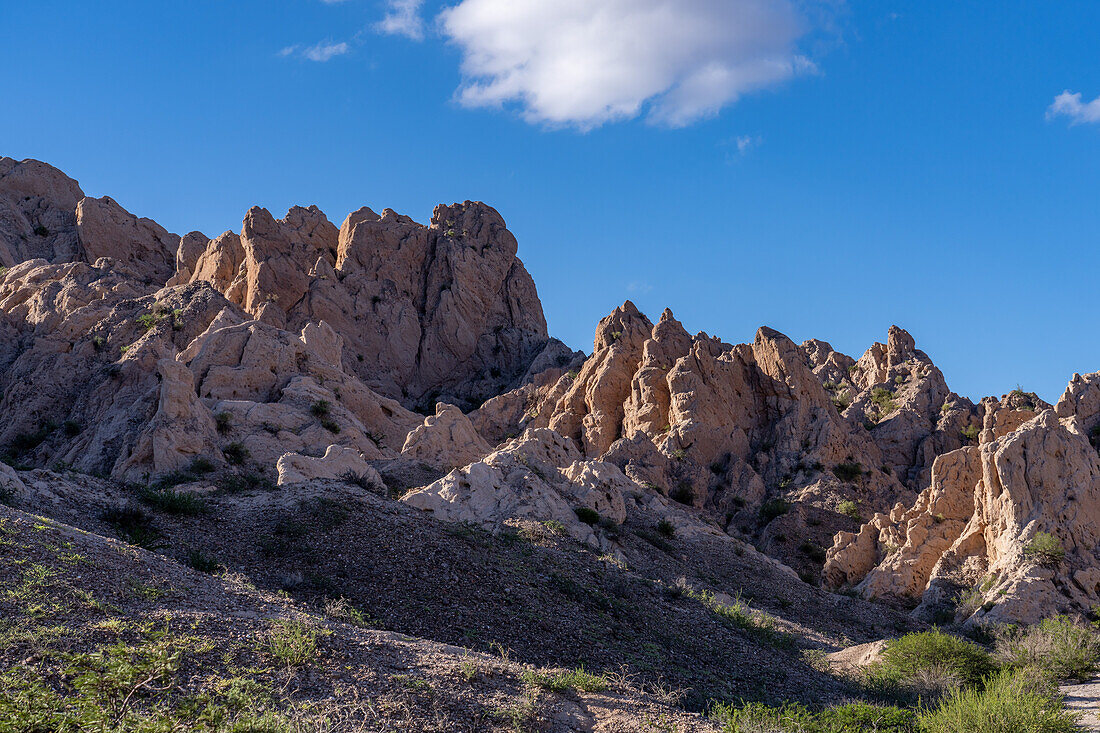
403 19
1069 104
587 62
321 52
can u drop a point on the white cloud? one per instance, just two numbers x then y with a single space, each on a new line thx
587 62
746 142
321 52
1068 104
403 19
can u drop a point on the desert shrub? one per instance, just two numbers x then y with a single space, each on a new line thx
666 529
147 321
27 442
292 643
774 508
852 718
1010 702
842 402
971 432
883 399
1057 648
341 608
200 465
320 408
330 425
587 515
570 679
235 453
849 509
926 653
170 501
361 480
133 525
234 483
683 494
812 551
1045 549
201 562
223 421
848 471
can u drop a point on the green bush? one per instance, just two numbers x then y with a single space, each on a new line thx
572 679
170 501
883 400
1010 702
971 432
292 642
849 509
852 718
916 654
235 483
1057 648
848 471
665 528
1045 549
587 515
320 408
133 525
236 453
223 421
774 508
198 561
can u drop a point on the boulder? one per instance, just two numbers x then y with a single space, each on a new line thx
338 462
445 440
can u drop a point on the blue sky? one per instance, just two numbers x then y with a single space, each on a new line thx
824 168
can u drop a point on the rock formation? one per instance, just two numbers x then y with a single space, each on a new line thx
131 352
296 350
1008 529
427 313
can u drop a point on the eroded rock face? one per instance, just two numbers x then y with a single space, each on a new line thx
968 544
542 476
442 312
140 248
129 351
37 213
723 427
901 398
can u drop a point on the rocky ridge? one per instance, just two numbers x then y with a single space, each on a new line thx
389 352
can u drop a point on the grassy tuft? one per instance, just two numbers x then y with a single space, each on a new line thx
1009 703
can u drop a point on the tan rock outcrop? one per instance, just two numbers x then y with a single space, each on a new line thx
966 544
453 313
901 398
446 439
37 213
337 462
523 480
182 429
137 247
